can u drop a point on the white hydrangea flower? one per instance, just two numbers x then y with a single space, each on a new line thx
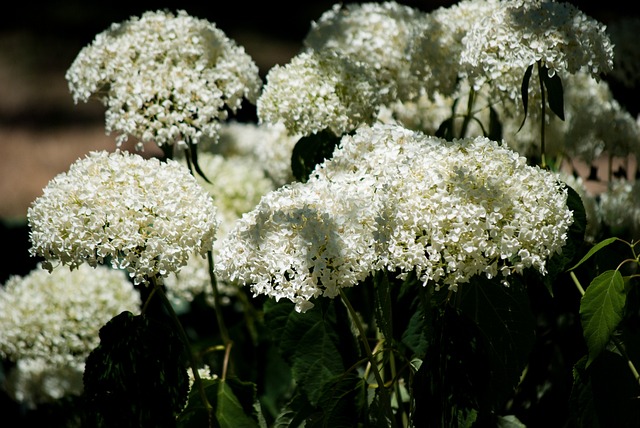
398 200
142 215
49 323
499 48
437 46
375 34
164 78
35 381
452 210
237 183
317 91
303 240
269 145
619 208
596 122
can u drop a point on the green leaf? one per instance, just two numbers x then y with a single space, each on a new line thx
126 383
524 91
415 337
229 411
554 91
382 304
445 130
504 317
600 245
310 151
309 342
601 309
495 126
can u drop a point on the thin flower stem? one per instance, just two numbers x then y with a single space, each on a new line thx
224 333
372 359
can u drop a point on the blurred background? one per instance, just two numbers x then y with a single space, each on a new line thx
42 131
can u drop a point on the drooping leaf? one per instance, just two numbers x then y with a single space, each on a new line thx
524 91
555 93
601 309
495 125
600 245
382 304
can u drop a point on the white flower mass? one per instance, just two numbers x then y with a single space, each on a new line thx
164 78
142 215
398 200
49 323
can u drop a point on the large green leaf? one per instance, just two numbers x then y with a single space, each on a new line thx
312 150
229 411
137 375
504 318
309 341
601 309
555 93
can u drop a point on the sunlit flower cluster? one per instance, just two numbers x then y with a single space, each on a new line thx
317 91
49 323
142 215
164 78
375 34
236 184
499 48
393 199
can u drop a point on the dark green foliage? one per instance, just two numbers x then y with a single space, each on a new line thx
137 376
310 151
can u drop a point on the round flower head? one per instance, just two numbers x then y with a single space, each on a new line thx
437 45
397 200
619 208
375 34
317 91
303 241
164 78
501 46
49 324
454 209
142 215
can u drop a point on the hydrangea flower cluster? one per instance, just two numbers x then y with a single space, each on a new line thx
499 47
237 184
164 78
49 323
619 208
142 215
317 91
394 199
375 34
437 46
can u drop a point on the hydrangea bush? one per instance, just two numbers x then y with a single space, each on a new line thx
403 236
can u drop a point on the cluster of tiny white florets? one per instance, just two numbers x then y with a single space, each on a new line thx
375 34
142 215
393 199
49 323
619 208
499 48
164 78
269 145
236 184
596 123
437 45
317 91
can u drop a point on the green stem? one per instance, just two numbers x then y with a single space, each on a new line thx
370 356
224 333
468 115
